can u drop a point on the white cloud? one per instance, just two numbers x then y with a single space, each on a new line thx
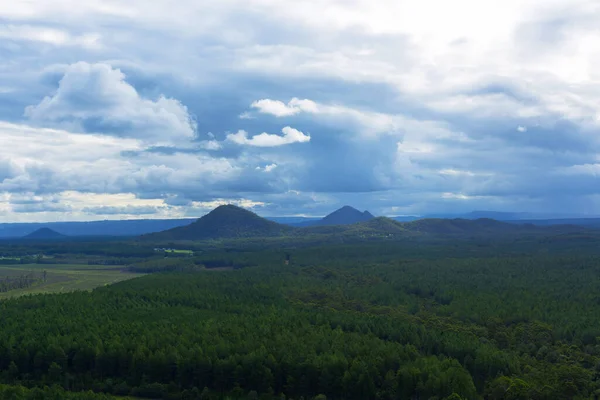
368 123
246 115
522 129
280 109
270 167
97 98
210 145
209 205
267 168
82 170
56 37
290 136
455 172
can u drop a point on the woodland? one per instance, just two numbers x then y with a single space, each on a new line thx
494 318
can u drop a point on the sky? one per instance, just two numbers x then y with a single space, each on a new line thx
118 110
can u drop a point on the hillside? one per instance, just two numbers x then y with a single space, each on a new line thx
463 226
44 233
345 216
383 226
226 221
484 226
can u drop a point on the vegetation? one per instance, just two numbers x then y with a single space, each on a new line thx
18 392
383 319
23 281
19 280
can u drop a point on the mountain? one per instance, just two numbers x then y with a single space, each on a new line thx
345 216
226 221
44 233
133 227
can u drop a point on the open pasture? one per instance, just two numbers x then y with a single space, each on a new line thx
62 278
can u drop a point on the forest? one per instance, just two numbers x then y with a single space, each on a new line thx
438 319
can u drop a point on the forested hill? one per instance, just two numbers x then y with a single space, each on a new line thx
383 226
466 226
226 221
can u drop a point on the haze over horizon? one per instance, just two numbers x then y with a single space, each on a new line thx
114 110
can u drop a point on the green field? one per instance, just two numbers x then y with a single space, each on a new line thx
173 251
64 278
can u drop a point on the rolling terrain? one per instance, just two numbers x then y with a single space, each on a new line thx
232 222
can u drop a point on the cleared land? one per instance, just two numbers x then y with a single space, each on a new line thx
174 251
64 278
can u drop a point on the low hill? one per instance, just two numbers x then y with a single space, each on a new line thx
226 221
463 226
384 225
439 227
345 216
43 234
484 226
376 226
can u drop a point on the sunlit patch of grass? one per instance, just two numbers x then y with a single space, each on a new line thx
65 278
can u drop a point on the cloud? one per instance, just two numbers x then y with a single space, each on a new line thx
52 36
246 115
210 145
97 98
408 112
267 168
367 122
270 167
280 109
290 136
49 162
122 210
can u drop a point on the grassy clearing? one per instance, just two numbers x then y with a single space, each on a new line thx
181 252
65 278
175 251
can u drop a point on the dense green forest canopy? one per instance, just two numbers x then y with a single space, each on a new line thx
496 318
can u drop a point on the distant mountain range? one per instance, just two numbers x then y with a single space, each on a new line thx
94 228
344 216
230 221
